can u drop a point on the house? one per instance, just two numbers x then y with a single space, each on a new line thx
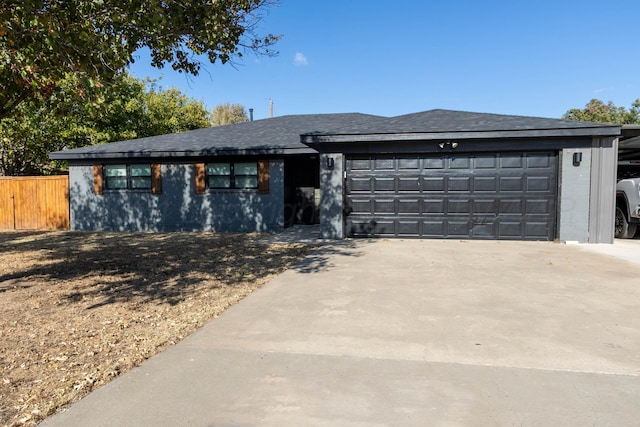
434 174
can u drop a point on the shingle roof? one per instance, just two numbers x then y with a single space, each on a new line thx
435 124
289 134
279 135
461 121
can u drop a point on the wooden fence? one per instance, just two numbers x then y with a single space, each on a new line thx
34 203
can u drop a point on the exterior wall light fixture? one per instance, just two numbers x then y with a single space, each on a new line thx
330 163
450 144
577 158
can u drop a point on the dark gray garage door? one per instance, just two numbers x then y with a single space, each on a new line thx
477 196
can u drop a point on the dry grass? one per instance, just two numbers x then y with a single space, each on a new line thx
79 309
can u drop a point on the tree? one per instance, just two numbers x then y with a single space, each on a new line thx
128 108
226 114
42 41
170 111
598 111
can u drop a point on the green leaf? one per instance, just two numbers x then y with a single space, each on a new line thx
98 39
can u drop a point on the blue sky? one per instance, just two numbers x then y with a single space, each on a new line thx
391 57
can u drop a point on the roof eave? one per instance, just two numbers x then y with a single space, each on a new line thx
62 155
419 136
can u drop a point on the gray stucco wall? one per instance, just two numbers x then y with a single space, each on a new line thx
575 189
331 196
178 208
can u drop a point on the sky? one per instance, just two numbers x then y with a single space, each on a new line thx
392 57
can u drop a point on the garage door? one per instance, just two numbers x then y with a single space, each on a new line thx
476 196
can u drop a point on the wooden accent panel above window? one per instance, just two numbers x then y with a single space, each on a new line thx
98 184
156 178
263 176
200 178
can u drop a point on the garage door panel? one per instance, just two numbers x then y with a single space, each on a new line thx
408 227
384 184
458 229
485 162
510 229
511 183
409 206
538 183
409 184
511 162
433 228
364 227
459 206
480 196
538 162
360 164
537 229
355 184
433 183
433 206
462 162
485 183
483 229
386 227
361 206
540 207
433 162
485 206
511 206
412 163
382 206
459 183
384 164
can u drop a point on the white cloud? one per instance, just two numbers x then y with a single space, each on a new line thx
300 60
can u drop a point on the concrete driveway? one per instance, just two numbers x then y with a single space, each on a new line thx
404 332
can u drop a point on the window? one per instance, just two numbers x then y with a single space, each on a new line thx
132 177
232 175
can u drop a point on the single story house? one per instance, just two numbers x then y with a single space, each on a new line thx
434 174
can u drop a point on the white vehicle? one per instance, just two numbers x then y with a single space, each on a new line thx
628 186
627 207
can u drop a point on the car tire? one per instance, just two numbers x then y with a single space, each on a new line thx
623 229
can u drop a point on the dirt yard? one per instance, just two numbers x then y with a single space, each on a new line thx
79 309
